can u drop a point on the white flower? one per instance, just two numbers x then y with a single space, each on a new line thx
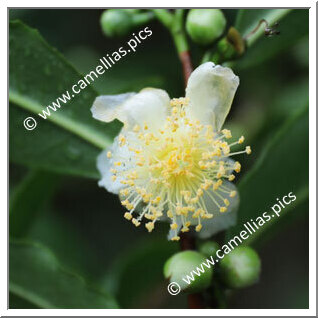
171 159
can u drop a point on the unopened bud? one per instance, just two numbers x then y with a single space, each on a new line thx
204 26
241 267
179 267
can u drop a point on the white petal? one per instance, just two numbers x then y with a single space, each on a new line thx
104 165
108 107
211 89
150 105
221 220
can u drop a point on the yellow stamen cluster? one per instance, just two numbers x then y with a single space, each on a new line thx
175 169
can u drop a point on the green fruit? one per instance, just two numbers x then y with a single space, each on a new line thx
181 265
209 248
241 267
116 22
204 26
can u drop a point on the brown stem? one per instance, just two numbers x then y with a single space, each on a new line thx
195 301
186 65
187 242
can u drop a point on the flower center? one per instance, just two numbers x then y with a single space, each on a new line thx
176 170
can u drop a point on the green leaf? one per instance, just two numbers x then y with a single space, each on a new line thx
248 19
69 140
37 277
28 197
281 168
16 302
293 27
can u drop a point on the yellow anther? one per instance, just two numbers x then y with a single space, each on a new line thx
136 128
232 194
173 226
109 154
113 170
175 238
223 209
117 163
157 200
217 184
198 227
241 140
124 192
129 206
114 178
221 172
198 213
122 140
150 226
217 152
237 166
227 202
124 202
248 150
207 216
231 177
227 133
146 126
149 216
185 229
128 216
135 222
199 192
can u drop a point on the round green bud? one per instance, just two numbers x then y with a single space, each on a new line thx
204 26
181 265
209 248
241 267
116 22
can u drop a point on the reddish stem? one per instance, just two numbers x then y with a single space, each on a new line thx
187 242
186 65
195 301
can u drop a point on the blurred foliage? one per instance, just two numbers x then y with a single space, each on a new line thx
47 284
70 247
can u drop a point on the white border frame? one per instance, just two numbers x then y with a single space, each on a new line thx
312 164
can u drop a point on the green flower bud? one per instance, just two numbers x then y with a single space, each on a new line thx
116 22
241 267
209 248
182 264
119 22
204 26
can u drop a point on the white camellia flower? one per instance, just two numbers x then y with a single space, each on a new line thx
171 160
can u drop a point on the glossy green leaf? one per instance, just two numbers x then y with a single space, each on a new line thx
281 168
37 276
27 198
16 302
68 140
